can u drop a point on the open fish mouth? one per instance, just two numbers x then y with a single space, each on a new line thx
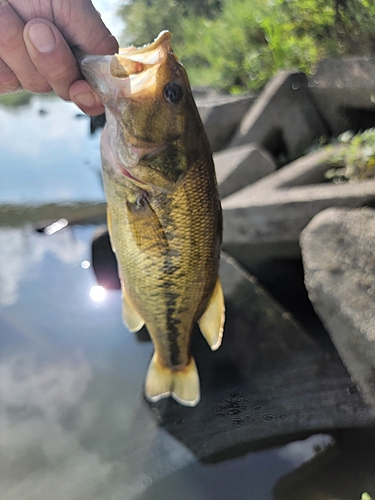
132 73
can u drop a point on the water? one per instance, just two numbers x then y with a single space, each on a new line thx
73 421
47 155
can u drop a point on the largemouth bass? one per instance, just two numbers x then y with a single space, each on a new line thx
163 210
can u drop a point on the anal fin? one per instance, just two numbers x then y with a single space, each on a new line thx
182 385
131 318
211 323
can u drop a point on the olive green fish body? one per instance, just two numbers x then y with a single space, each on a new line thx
167 246
164 214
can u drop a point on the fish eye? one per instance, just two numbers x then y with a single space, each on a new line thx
173 93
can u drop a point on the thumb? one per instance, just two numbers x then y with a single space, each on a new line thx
81 25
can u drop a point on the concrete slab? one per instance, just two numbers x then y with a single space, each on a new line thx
284 118
268 383
266 218
338 254
238 167
221 116
344 93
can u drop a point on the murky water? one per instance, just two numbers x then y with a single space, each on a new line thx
73 421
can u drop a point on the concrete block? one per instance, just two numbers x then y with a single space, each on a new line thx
344 93
266 218
283 119
221 116
338 255
240 166
269 383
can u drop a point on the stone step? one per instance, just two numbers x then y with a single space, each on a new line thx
265 219
240 166
283 119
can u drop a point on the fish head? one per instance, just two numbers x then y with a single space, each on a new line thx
151 114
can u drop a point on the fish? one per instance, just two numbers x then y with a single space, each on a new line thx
163 210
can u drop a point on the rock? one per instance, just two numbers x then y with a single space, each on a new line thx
221 116
344 93
283 119
240 166
338 254
104 261
268 383
342 471
96 123
265 219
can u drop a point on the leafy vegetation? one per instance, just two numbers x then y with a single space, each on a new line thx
15 100
357 161
240 44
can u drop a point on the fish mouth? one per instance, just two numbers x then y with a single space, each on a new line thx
129 74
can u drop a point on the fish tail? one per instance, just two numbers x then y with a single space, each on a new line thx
182 385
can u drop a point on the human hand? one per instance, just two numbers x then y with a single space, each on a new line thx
35 54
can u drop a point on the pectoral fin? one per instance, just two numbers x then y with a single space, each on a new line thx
211 323
146 228
130 316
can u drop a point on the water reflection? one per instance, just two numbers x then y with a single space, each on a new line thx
98 293
21 252
48 156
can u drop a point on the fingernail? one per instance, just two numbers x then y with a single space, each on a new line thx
42 37
87 99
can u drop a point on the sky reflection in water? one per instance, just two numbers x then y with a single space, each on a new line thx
48 157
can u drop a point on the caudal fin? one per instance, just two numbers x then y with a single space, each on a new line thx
182 385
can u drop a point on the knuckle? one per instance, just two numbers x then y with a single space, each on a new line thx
8 81
38 88
62 73
9 37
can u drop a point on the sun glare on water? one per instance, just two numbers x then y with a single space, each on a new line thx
98 293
